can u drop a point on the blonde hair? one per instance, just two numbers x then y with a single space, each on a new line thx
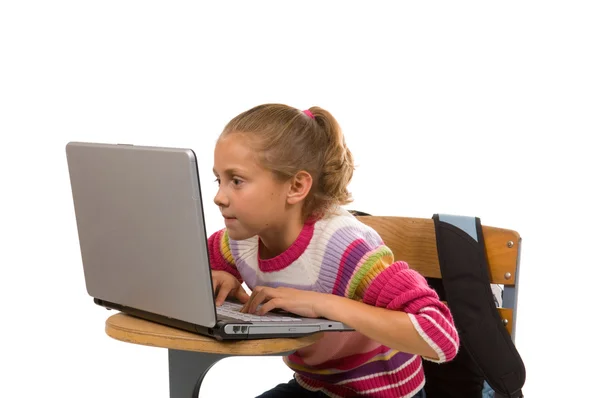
288 140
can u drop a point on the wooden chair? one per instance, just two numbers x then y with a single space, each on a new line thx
413 240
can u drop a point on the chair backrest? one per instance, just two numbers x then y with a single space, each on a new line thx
413 240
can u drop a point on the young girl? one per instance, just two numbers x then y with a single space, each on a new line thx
282 176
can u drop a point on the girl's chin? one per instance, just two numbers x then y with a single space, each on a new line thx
236 234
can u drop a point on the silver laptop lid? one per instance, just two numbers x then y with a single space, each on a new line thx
141 228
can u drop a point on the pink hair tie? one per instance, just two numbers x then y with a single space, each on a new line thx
309 114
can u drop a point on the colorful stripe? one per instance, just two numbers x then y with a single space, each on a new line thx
392 361
372 264
401 381
350 362
225 249
218 256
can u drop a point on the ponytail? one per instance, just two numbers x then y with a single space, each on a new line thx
337 164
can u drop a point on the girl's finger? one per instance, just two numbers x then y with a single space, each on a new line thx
249 302
254 302
215 283
261 297
241 295
223 293
269 306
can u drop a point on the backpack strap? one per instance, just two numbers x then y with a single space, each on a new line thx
466 282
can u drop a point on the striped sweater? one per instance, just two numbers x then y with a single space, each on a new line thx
340 255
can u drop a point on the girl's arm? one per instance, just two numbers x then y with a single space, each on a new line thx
220 255
395 308
390 328
369 276
394 305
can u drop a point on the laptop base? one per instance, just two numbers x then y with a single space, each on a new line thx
230 329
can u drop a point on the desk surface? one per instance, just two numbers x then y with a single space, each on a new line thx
138 331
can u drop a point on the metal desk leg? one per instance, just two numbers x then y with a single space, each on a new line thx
187 370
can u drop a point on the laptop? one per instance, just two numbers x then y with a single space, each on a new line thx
143 243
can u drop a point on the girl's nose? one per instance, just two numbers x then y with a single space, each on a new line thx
221 199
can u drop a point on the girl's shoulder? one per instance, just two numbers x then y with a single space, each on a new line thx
343 227
222 243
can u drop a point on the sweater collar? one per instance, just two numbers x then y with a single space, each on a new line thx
291 254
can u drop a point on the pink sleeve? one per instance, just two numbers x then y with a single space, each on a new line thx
402 289
220 254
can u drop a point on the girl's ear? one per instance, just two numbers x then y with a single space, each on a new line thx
300 186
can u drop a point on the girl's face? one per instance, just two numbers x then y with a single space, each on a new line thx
252 201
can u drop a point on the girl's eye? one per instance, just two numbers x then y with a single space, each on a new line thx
218 181
236 181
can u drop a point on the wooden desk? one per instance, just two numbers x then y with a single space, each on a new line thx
192 355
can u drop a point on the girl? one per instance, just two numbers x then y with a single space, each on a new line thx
283 175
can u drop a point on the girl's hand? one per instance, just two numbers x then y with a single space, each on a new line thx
226 285
300 302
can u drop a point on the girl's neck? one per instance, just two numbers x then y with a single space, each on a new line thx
277 240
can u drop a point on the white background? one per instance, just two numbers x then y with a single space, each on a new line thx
471 108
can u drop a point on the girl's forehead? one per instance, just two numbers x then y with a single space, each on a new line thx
234 149
235 138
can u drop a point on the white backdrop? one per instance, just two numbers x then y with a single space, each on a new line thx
471 108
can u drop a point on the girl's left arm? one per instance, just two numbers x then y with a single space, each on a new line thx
395 306
394 329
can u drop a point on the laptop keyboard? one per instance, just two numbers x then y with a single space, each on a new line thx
232 310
